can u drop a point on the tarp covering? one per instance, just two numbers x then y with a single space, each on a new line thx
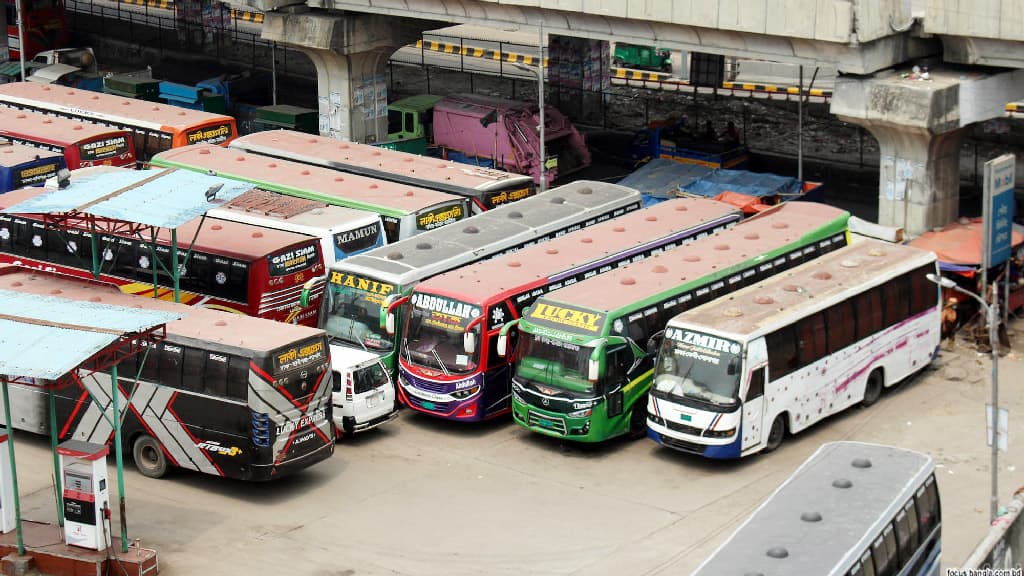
161 198
46 337
749 204
743 182
661 178
961 242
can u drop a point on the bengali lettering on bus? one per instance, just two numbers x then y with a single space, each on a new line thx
34 174
299 356
209 135
104 148
506 196
439 217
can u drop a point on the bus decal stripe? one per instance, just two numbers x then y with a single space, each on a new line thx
140 408
82 398
194 441
176 434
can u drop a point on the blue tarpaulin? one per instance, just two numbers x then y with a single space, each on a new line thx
749 183
661 179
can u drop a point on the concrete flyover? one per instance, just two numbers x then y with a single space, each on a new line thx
919 124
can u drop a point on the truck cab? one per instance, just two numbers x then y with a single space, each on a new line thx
643 57
410 123
363 392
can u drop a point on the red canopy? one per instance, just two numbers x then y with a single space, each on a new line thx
960 243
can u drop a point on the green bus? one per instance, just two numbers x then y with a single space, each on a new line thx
585 353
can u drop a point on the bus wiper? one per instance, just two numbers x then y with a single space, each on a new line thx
439 363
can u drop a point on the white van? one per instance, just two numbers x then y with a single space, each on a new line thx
364 394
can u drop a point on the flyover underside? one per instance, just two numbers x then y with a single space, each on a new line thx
842 51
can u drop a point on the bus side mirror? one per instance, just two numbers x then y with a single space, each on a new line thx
469 342
594 363
307 290
387 312
502 344
654 342
733 367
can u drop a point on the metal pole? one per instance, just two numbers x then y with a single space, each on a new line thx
1006 294
118 455
21 58
800 129
540 100
175 273
993 322
56 458
273 73
14 467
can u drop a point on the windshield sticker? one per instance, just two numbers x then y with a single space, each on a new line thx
506 196
298 356
439 217
701 346
561 316
362 238
445 313
375 291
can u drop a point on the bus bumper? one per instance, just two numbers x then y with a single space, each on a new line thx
263 473
720 452
557 425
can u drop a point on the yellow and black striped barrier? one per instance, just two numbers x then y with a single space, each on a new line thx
773 89
1014 108
628 74
474 52
160 4
255 17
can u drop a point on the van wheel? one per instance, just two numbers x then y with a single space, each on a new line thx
873 389
776 433
149 457
638 419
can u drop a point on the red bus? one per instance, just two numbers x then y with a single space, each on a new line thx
224 265
44 22
81 143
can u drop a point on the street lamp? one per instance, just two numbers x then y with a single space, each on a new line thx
992 314
539 71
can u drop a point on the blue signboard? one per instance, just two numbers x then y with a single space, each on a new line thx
998 208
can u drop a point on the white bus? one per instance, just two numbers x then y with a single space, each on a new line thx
342 231
852 509
735 375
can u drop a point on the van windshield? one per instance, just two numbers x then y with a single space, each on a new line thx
370 378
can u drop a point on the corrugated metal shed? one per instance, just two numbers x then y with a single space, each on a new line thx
46 337
161 198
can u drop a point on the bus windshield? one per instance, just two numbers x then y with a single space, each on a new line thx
555 362
353 316
434 337
698 366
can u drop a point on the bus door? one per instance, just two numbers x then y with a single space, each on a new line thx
752 427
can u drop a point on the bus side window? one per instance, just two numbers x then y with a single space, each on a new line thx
911 511
812 343
151 363
842 326
170 366
756 388
890 548
884 565
896 299
906 550
782 352
215 376
866 565
923 293
927 508
869 313
238 378
192 370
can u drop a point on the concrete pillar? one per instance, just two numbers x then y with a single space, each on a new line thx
919 124
350 52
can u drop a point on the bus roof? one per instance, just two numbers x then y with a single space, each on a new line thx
202 324
55 130
508 274
760 307
415 103
87 103
311 181
233 239
377 162
14 154
438 250
782 225
258 204
849 516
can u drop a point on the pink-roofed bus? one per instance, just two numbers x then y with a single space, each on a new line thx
82 143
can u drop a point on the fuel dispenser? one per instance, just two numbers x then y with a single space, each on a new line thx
6 486
83 468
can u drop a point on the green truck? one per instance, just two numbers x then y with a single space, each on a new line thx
410 123
643 57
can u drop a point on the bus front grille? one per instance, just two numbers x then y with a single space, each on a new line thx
284 299
681 445
554 424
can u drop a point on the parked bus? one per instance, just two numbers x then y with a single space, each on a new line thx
155 127
342 232
735 375
485 188
223 394
406 210
224 265
361 287
852 509
81 143
586 352
22 165
44 23
448 362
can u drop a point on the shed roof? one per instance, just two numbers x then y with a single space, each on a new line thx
161 198
46 337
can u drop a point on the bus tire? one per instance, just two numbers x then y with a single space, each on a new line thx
149 457
638 419
873 389
776 433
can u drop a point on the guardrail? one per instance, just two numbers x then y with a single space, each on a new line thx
1003 547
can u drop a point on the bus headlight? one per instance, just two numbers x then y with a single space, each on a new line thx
581 413
466 393
720 433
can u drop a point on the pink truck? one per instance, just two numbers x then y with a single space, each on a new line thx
504 133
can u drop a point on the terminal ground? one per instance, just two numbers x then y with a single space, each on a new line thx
427 497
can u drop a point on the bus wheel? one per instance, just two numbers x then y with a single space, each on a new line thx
873 389
638 419
776 434
149 457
